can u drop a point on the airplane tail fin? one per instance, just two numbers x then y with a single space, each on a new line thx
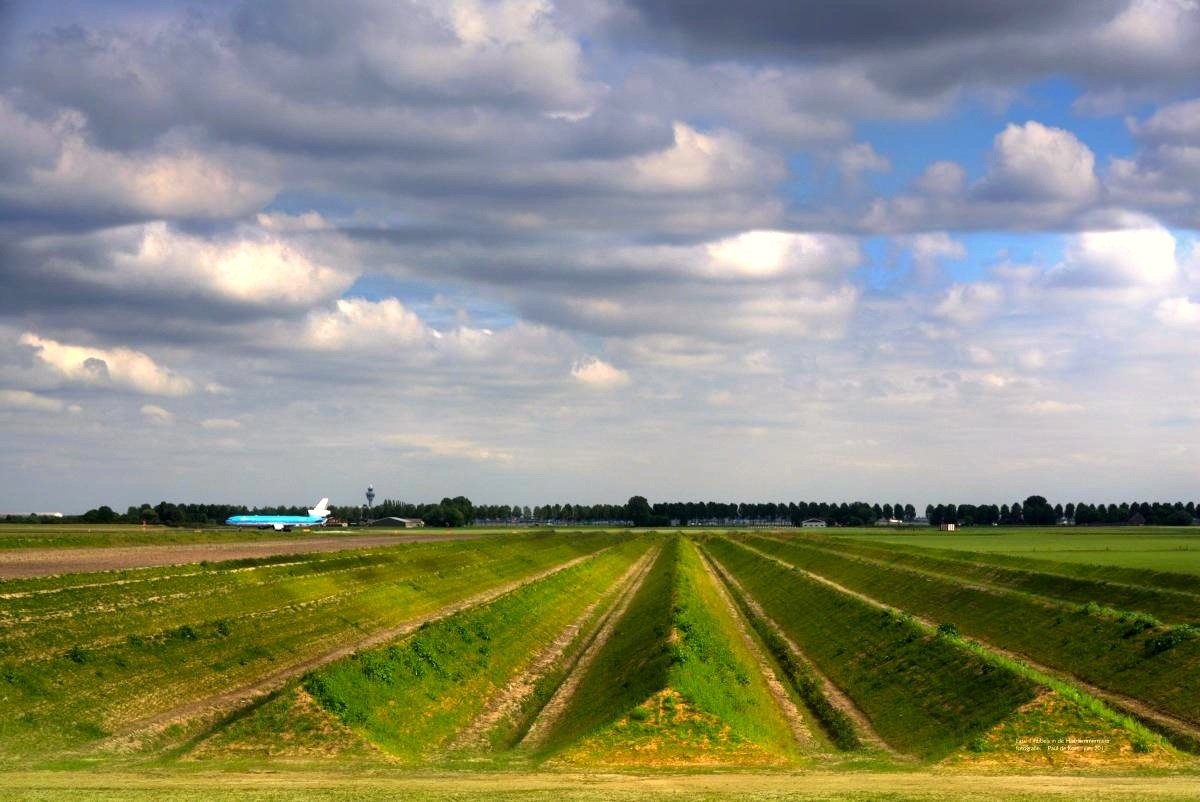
321 510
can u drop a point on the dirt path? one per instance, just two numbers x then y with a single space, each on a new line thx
24 563
800 729
212 706
509 699
553 710
1128 705
832 692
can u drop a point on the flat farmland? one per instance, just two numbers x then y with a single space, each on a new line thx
798 657
1169 549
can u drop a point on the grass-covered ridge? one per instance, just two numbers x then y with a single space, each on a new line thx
1121 652
714 706
85 658
924 695
1165 604
413 696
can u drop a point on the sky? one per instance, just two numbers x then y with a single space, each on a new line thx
534 252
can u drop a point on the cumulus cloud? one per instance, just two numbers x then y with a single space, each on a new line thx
156 414
1180 312
54 170
1052 407
220 424
119 368
33 402
595 372
252 265
451 447
1139 256
1040 163
364 325
970 303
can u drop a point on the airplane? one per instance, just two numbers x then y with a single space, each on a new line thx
284 523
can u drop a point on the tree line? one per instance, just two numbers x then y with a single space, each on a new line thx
638 511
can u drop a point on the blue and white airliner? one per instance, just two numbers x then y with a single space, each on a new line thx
284 523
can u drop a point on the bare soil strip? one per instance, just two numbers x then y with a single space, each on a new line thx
25 563
832 692
1151 716
220 704
553 710
507 702
800 729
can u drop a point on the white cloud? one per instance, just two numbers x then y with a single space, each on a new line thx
251 266
1040 163
597 373
1140 255
930 249
25 400
1052 407
770 254
451 447
1180 313
696 162
970 303
121 368
157 414
367 325
942 178
62 171
220 424
861 157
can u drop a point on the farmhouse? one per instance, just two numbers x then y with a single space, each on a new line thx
948 527
813 523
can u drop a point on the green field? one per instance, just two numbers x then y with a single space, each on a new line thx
1170 549
530 657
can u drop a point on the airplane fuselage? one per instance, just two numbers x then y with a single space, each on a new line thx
277 522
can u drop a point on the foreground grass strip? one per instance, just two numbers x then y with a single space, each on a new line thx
924 695
1126 654
413 697
147 659
810 687
1163 603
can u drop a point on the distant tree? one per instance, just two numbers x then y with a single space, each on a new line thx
638 510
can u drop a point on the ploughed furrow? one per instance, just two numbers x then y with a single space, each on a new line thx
1139 720
229 647
413 697
511 711
1123 654
842 722
924 695
676 683
1165 604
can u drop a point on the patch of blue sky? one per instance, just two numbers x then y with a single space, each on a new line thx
442 307
966 134
888 261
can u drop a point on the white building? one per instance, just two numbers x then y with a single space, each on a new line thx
813 523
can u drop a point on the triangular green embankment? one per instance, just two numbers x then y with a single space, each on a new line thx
1054 731
673 685
411 698
289 725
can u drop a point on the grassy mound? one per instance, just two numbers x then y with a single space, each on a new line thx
1165 604
924 695
412 697
714 705
83 656
1121 651
1052 731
